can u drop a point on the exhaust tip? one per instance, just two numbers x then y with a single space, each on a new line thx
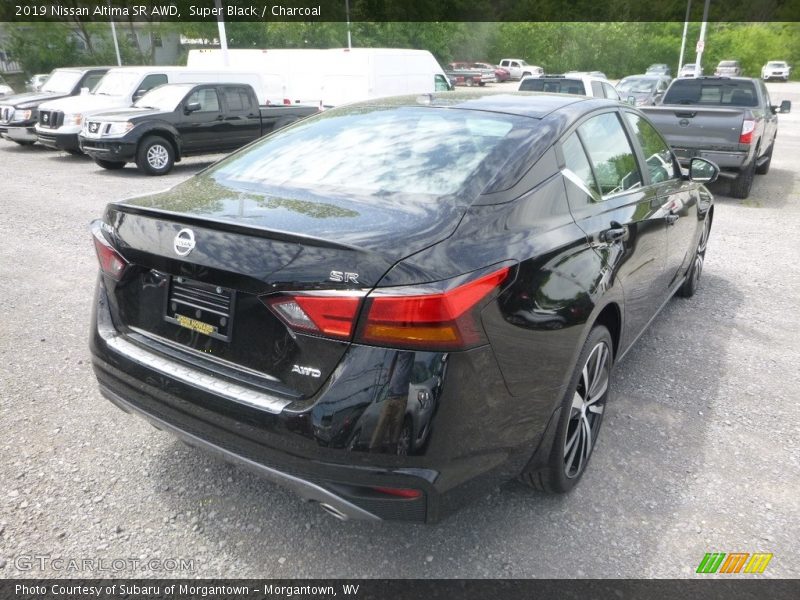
335 512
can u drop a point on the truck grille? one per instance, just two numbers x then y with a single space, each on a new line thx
51 118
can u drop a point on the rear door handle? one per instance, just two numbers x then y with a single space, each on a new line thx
616 232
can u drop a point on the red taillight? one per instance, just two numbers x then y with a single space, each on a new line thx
748 127
327 314
112 262
286 101
398 317
399 492
404 317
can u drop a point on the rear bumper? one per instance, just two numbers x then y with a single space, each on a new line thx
319 451
111 150
733 161
58 141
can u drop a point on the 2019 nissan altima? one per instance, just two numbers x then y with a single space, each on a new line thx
294 306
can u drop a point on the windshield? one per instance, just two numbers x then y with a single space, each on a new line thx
165 97
555 86
727 63
62 82
378 151
523 63
117 83
637 86
776 64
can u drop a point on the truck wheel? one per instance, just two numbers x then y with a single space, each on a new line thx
155 156
740 187
469 82
763 168
111 165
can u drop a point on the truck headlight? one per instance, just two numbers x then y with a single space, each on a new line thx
21 115
120 128
73 119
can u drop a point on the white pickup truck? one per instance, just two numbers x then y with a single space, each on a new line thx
518 68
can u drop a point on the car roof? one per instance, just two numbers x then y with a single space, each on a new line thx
536 105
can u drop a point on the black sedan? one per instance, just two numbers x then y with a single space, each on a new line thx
293 306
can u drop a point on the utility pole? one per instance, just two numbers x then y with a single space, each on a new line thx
347 12
223 39
702 41
685 29
114 35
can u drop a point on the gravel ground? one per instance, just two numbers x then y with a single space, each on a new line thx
699 450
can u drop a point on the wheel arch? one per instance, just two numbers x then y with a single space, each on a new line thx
610 316
168 134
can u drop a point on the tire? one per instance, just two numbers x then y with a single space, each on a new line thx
23 142
111 165
579 420
763 169
692 281
155 156
741 186
468 82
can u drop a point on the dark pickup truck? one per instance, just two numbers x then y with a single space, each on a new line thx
19 113
182 119
727 120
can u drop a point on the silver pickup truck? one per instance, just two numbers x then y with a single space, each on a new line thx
727 120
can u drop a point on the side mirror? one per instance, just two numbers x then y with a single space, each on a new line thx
139 94
786 106
703 171
192 107
631 100
84 91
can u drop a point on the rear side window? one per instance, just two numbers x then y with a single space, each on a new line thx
656 152
597 89
92 80
610 153
576 161
237 99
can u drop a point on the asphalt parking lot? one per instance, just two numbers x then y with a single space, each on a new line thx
700 449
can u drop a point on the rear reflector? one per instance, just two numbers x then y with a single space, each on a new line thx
327 314
112 263
748 127
443 320
408 493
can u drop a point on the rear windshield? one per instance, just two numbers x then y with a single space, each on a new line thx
556 86
422 151
711 92
727 63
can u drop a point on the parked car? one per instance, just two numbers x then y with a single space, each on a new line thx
182 119
581 84
643 90
730 121
20 113
61 121
5 89
465 75
728 68
487 73
659 69
776 69
500 74
688 70
274 296
518 68
35 83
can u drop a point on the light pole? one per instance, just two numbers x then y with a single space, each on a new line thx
702 41
347 13
683 39
114 35
223 39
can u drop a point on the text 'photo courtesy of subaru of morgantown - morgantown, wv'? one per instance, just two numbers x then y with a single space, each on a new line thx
377 361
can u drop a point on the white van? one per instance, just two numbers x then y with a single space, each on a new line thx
334 76
60 121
